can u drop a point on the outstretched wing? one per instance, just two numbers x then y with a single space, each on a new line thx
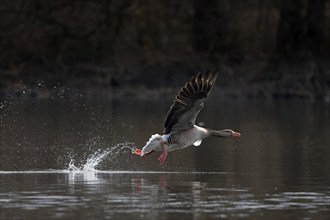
189 102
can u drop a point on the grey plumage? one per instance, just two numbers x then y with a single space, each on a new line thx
180 129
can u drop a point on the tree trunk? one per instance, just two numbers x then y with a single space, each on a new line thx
210 28
290 31
299 37
315 30
297 67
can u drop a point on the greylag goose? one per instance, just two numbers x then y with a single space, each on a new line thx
180 129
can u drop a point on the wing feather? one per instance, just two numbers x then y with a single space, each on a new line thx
189 102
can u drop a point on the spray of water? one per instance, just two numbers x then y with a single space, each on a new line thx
94 160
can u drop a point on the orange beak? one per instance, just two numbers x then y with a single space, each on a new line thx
235 134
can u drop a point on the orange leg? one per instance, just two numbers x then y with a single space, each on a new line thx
162 157
138 152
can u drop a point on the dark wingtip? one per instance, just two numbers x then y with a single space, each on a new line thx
205 80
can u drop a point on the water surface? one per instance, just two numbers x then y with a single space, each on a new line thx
71 158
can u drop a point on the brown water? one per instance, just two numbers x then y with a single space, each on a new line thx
71 158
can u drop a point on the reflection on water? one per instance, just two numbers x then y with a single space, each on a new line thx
151 195
71 159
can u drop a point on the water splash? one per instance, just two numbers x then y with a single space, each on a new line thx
94 160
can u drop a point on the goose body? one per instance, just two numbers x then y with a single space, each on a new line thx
180 129
175 140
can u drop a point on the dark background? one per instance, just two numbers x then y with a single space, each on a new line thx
262 49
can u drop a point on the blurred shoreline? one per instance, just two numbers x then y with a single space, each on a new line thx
155 81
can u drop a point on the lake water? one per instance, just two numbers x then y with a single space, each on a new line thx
70 158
